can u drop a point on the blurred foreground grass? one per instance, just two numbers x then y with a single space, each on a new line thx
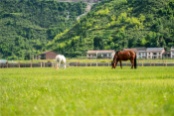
89 91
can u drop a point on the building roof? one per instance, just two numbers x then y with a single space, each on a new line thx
48 52
99 51
134 49
141 48
154 49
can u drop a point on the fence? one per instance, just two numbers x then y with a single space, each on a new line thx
77 64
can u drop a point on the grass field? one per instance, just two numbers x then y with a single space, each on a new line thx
87 91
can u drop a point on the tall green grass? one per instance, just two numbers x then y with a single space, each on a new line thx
87 91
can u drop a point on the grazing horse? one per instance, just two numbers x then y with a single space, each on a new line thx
123 56
60 60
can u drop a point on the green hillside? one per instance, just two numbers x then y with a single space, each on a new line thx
26 26
118 24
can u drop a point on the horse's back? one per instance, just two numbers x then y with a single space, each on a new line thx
61 57
126 54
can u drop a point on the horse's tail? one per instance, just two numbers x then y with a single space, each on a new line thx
135 61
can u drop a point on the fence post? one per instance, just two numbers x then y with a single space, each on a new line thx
41 64
7 64
31 64
51 65
19 64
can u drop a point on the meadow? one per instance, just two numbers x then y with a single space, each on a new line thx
87 91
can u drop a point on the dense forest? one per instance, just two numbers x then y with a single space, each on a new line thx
26 26
30 27
118 24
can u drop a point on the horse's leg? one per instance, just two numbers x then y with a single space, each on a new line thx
120 64
132 63
58 65
116 63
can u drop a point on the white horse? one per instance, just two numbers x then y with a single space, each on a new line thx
60 60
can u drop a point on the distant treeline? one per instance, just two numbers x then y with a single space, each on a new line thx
118 24
27 25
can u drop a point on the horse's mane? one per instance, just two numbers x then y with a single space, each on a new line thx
117 52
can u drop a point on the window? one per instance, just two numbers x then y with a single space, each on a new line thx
154 53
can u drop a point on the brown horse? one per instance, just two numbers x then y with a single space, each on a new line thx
125 55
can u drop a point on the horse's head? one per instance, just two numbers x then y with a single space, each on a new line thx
113 64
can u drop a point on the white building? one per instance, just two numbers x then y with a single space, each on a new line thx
148 53
92 54
141 53
153 53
